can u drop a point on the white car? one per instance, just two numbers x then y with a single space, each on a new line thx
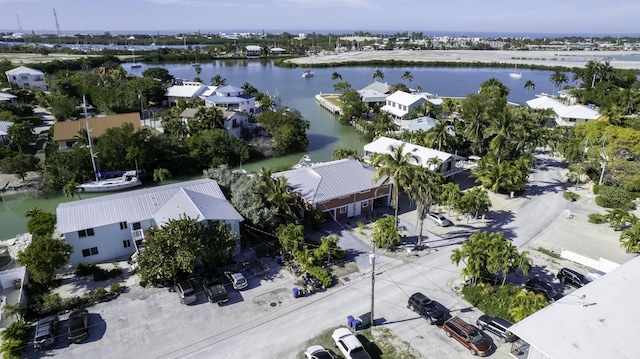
238 280
439 219
349 344
318 352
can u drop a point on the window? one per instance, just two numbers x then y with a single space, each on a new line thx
137 226
90 252
86 232
126 243
343 210
123 225
365 204
25 77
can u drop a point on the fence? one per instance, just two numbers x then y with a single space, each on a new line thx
603 265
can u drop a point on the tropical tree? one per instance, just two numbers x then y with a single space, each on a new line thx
450 195
275 193
474 202
161 175
43 256
342 87
72 189
20 134
385 232
529 85
344 153
336 76
439 135
525 303
395 167
218 80
406 76
32 212
377 74
630 238
558 78
42 224
423 190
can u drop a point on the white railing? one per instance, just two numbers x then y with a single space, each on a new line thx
603 265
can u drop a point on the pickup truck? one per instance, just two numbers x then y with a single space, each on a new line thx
349 344
215 290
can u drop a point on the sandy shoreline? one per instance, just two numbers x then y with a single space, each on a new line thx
541 58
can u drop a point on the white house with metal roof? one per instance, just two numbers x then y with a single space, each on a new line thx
599 320
342 188
400 103
448 162
8 98
27 78
565 115
4 132
253 50
234 121
104 228
187 90
231 98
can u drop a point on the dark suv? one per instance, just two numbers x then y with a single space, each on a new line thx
427 308
571 277
497 326
469 336
45 334
538 286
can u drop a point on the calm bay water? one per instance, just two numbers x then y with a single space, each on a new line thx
325 133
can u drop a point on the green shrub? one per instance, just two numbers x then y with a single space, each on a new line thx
98 294
571 196
492 300
614 197
597 188
596 218
84 269
322 275
115 287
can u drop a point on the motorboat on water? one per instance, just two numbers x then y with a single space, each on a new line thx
128 180
308 73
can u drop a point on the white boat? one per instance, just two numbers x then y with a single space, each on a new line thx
134 64
305 161
128 179
308 73
514 74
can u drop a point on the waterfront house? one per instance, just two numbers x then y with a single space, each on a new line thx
66 133
565 115
341 189
187 90
448 165
252 51
234 121
231 98
105 228
374 94
400 103
26 78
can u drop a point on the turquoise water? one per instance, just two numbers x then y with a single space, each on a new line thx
325 133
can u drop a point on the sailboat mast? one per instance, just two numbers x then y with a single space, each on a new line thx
86 119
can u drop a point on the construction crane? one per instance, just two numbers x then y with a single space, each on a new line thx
57 24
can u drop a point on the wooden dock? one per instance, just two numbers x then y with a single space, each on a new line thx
328 105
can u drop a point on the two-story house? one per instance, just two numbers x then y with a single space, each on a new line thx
231 98
27 78
341 189
105 228
187 90
400 103
446 163
233 121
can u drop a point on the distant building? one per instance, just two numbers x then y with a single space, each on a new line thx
253 51
105 228
27 78
65 133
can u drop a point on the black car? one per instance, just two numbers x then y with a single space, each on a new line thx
214 289
571 277
426 307
538 286
78 326
497 326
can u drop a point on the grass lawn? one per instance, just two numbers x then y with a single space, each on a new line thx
22 58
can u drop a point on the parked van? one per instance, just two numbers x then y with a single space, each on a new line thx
45 332
469 336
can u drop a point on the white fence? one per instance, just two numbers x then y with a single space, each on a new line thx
603 265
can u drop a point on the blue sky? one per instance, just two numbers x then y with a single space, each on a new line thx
581 17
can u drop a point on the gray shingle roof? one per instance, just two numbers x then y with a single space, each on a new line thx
192 197
323 182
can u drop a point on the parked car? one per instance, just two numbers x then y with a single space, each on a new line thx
349 344
497 326
237 279
45 334
439 219
318 352
469 336
538 286
214 289
186 290
426 307
573 278
78 326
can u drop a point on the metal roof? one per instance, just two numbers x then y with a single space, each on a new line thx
377 86
599 320
199 196
4 127
23 70
187 91
404 98
326 181
382 145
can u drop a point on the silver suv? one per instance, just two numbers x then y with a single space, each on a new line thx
45 332
186 290
497 326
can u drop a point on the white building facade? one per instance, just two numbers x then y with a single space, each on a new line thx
27 78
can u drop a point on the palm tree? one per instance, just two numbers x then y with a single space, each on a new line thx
198 70
72 189
529 85
422 190
558 78
336 76
439 135
161 175
31 212
407 77
377 74
630 238
218 80
394 166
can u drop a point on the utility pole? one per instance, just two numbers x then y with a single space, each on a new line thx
372 260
